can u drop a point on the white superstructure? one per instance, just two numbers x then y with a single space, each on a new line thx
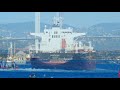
58 39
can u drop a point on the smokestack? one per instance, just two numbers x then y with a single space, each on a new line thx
58 14
37 22
37 30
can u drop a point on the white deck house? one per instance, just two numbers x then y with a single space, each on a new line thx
57 38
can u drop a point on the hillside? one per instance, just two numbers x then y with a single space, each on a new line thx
105 29
22 29
102 29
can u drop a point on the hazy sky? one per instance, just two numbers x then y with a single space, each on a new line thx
78 19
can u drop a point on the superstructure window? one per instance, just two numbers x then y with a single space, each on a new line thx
55 32
39 46
49 40
66 32
55 36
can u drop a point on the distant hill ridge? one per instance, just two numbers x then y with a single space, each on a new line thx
105 29
22 28
102 29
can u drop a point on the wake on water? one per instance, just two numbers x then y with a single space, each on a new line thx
56 70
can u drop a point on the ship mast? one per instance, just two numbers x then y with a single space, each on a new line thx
37 30
58 20
11 47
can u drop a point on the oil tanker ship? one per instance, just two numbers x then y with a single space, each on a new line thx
58 47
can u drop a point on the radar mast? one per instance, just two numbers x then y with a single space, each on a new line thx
58 20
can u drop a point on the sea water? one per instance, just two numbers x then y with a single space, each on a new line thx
101 71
